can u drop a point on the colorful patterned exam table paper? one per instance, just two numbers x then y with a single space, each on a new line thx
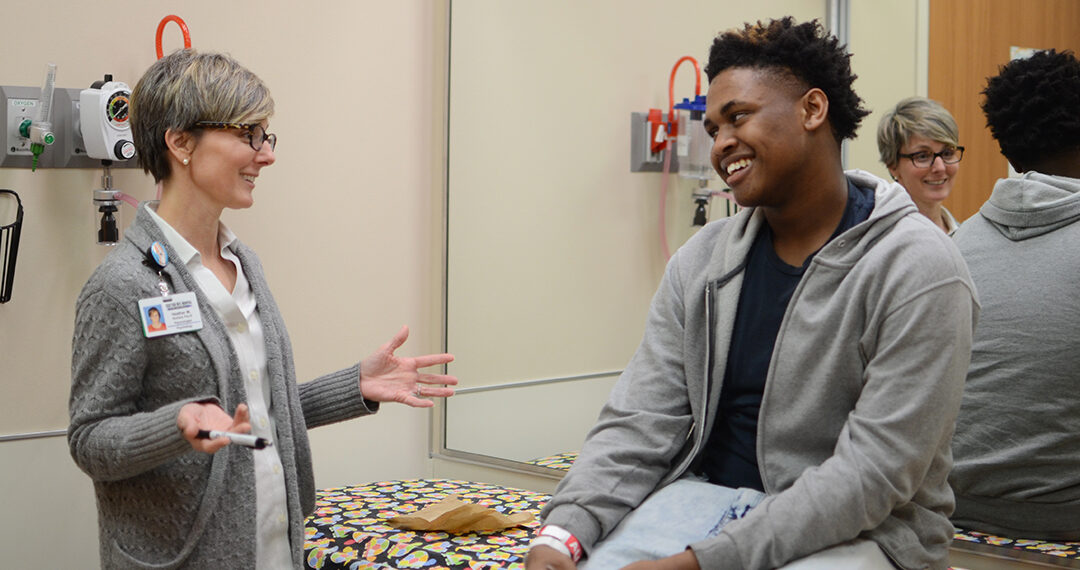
350 528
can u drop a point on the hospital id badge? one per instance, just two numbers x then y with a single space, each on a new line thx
170 315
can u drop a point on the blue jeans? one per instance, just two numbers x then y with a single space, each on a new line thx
690 510
669 520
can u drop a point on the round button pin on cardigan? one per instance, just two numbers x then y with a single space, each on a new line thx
158 253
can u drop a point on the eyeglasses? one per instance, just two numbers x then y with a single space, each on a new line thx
924 158
256 134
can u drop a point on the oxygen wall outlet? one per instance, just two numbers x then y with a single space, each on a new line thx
18 108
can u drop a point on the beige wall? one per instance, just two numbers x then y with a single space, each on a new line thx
551 235
347 223
888 44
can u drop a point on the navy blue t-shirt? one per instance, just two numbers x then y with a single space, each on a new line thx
730 456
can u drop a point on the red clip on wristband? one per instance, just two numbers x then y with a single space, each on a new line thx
563 536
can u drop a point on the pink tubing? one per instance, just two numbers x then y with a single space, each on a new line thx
131 201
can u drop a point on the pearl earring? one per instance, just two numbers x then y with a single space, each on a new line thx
186 161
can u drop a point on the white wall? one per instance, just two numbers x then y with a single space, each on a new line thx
347 223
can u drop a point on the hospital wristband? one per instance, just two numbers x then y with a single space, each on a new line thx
562 535
552 542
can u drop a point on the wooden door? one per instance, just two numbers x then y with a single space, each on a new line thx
969 40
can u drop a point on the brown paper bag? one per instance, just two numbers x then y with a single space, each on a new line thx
456 516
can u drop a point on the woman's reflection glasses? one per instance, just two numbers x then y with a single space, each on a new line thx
923 158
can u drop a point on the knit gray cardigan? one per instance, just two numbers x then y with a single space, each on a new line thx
161 504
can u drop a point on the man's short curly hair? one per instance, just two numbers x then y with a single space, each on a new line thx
1033 106
806 52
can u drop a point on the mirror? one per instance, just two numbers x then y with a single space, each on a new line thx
553 247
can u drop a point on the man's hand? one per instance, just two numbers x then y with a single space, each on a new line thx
682 561
547 558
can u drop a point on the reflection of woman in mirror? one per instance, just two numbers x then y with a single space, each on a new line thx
920 143
154 314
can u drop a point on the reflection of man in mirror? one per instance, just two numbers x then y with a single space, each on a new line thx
153 316
792 401
1017 444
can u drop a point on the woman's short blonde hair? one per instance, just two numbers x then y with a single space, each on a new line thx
186 87
914 116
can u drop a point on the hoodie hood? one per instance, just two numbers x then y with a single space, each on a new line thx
1032 205
891 203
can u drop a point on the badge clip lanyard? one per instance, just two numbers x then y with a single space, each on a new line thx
159 258
178 312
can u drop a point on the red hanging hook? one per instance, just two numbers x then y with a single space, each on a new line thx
183 28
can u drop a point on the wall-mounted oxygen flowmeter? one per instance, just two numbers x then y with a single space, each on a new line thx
103 115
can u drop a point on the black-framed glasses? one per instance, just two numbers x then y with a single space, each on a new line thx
925 158
256 134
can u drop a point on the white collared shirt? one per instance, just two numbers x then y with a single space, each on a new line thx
950 222
238 311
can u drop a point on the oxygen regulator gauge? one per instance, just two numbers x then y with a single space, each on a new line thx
104 112
116 109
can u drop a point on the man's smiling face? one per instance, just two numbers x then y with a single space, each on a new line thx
756 119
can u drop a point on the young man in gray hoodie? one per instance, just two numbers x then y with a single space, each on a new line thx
1017 445
793 397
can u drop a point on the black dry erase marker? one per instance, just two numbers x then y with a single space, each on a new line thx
244 439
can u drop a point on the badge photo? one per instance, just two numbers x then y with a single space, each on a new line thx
170 315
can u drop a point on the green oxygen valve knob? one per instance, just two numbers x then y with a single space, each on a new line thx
41 135
24 128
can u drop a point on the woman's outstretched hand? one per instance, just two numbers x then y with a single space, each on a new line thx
386 377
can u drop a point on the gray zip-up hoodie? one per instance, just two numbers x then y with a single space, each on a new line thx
862 392
1017 444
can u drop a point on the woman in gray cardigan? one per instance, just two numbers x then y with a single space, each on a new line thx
143 400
